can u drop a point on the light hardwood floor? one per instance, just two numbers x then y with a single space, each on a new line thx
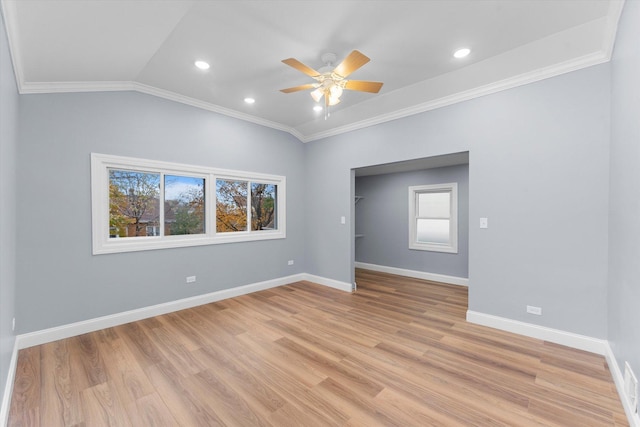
397 352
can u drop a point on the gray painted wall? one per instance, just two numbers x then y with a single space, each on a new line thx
539 170
383 217
8 144
624 209
60 282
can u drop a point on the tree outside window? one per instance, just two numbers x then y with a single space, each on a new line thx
134 202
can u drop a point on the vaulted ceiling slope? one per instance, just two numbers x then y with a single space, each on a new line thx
151 45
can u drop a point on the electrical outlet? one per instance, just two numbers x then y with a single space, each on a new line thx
534 310
191 279
290 262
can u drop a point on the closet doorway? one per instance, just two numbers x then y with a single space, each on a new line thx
385 221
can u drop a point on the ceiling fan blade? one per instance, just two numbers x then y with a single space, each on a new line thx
351 63
292 62
298 88
372 87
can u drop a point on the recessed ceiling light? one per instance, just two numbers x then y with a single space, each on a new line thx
317 108
202 65
249 100
461 53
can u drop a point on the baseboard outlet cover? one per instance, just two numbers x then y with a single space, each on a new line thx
434 277
569 339
618 378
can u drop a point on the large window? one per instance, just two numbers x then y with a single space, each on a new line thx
433 217
142 204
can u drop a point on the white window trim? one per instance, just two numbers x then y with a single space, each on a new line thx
102 244
453 222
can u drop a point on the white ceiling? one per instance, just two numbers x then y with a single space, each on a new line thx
151 45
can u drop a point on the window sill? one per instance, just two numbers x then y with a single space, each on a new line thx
152 243
434 248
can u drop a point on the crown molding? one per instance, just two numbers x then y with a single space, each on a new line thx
509 83
9 16
27 88
611 27
603 55
70 87
151 90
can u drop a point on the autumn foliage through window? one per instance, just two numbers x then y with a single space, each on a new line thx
142 204
232 200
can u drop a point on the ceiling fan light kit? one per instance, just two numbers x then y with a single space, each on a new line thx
330 83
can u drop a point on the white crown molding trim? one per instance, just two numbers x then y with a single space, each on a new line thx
632 416
161 93
29 88
106 86
505 84
9 14
434 277
8 387
611 27
569 339
613 16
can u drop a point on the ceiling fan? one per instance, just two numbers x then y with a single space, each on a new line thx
332 81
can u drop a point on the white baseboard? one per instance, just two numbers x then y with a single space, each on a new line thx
343 286
78 328
453 280
618 379
553 335
8 387
65 331
569 339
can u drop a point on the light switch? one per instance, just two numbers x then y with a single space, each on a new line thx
484 222
343 220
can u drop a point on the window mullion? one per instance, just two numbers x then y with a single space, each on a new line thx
210 205
161 204
249 207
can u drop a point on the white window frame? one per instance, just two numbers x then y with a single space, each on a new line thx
103 244
414 191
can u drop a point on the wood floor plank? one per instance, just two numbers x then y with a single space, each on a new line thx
185 404
150 411
398 352
90 358
102 406
26 389
59 391
123 370
256 392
